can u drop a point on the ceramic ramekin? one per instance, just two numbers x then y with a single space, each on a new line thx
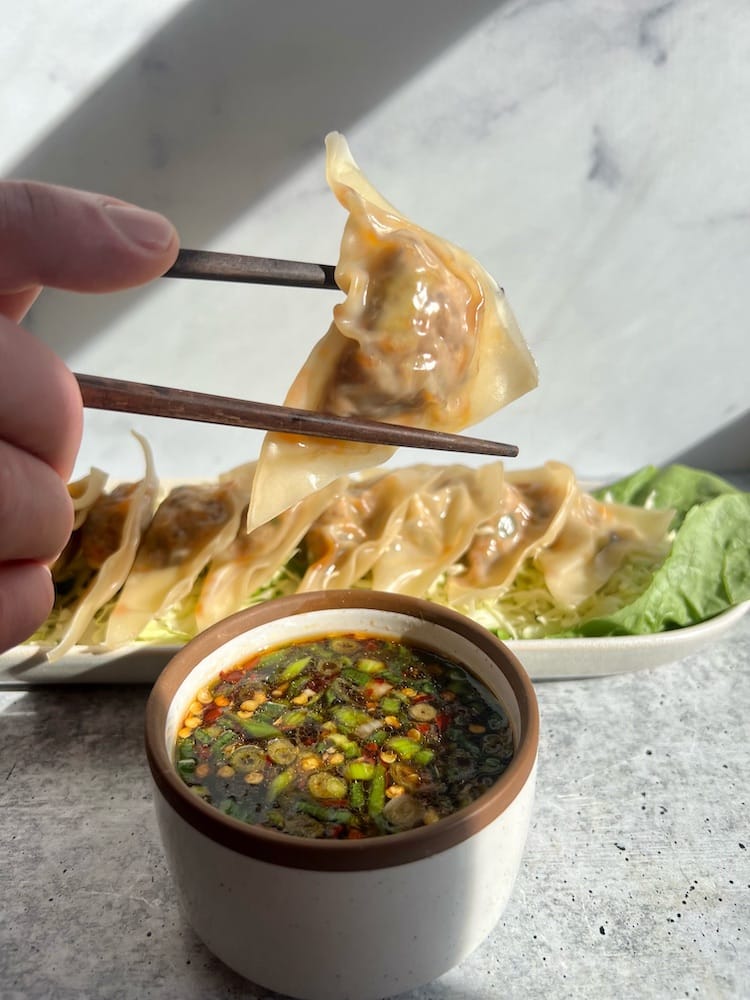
360 919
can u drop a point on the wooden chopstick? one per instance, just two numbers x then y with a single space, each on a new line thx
184 404
207 265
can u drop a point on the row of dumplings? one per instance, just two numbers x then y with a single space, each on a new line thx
137 552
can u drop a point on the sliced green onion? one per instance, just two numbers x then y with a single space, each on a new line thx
294 669
348 747
404 747
422 711
404 812
248 758
282 781
253 727
293 719
376 797
271 659
357 795
370 666
324 785
358 677
344 644
269 711
281 751
360 770
390 704
326 814
348 718
225 739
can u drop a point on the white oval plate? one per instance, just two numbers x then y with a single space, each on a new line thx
544 659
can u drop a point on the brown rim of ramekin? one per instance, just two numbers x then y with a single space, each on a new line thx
339 855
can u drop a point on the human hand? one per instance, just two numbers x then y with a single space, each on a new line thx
80 242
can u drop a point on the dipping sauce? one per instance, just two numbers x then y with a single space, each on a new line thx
343 736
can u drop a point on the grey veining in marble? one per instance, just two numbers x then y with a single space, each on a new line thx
634 883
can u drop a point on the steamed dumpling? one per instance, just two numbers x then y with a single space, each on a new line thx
84 493
254 558
100 554
595 541
576 541
191 524
439 523
529 515
424 337
352 533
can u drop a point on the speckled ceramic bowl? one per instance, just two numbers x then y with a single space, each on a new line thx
334 919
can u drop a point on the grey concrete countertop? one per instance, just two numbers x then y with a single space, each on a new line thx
634 883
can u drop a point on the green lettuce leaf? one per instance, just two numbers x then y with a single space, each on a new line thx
676 486
708 567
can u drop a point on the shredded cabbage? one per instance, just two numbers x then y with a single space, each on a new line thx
527 609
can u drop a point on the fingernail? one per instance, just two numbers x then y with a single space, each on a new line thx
148 230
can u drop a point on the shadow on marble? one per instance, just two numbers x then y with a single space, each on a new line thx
726 450
222 104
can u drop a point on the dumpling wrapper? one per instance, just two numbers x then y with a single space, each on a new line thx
85 492
439 523
530 514
253 559
354 530
425 338
576 541
109 533
192 524
595 540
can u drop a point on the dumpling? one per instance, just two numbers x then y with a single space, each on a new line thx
84 492
101 551
191 524
253 558
530 514
72 573
594 541
350 535
574 540
424 337
439 522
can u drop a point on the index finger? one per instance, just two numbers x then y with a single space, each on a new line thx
78 241
40 402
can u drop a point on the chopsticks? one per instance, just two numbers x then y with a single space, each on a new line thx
207 265
184 404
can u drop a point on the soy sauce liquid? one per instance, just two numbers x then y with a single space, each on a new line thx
344 736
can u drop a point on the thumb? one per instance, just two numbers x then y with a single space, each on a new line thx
78 241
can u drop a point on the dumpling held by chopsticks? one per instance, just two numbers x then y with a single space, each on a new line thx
424 337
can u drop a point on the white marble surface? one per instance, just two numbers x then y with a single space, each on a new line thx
593 156
54 56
